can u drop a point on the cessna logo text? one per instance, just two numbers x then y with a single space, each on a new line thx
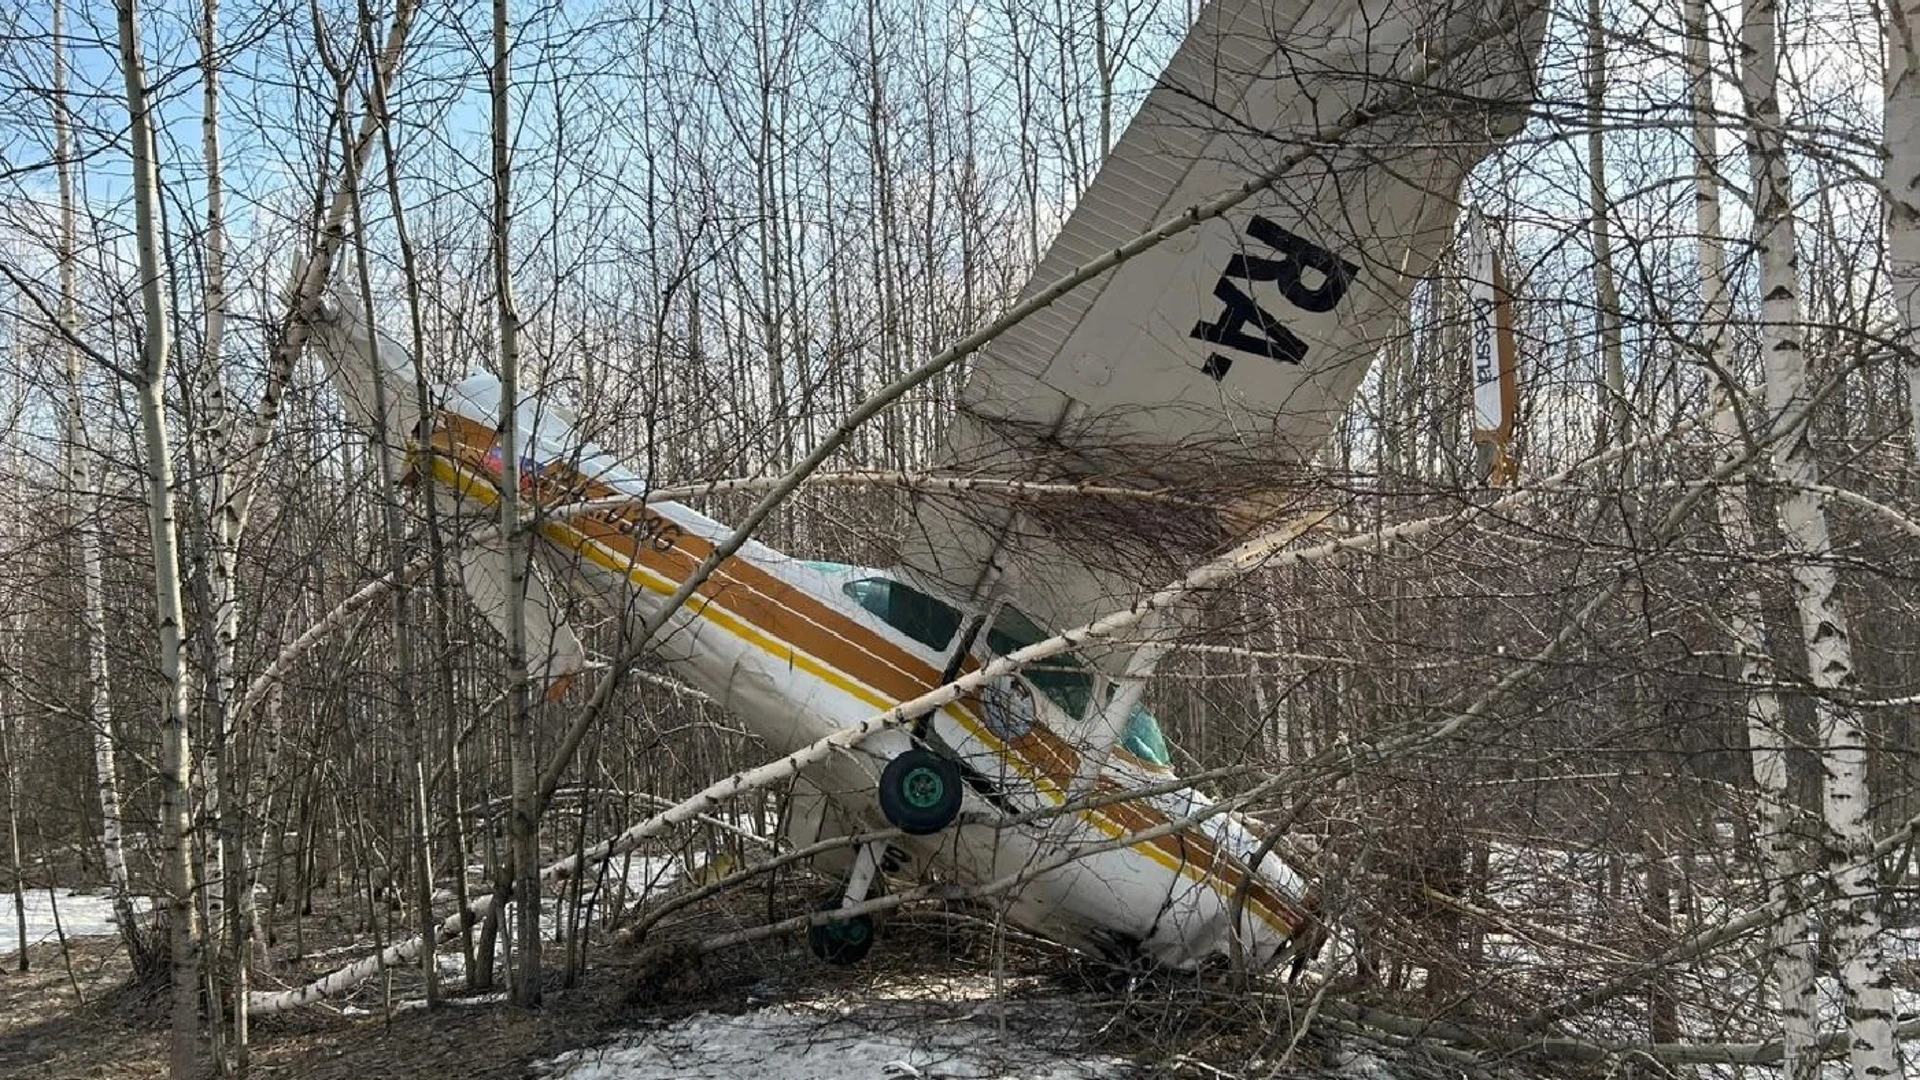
1483 367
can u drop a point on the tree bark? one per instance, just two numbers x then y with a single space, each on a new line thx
525 825
1791 951
1606 294
24 963
176 818
86 524
1900 114
1847 839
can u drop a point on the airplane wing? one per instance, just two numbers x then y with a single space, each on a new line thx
1212 366
350 350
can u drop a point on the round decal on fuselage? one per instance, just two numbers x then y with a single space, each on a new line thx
1008 708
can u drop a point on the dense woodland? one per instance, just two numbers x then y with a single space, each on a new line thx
1623 754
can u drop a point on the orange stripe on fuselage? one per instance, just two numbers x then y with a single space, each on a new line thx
789 613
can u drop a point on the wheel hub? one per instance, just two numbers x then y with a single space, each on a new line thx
924 788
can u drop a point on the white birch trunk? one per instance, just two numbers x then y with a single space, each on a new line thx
225 850
525 829
176 817
1901 118
86 523
1792 950
1853 920
24 963
100 714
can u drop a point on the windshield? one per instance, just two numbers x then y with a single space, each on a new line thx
1069 684
1144 739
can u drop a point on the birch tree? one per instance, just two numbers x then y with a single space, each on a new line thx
1900 115
525 830
1847 839
1767 737
157 463
85 508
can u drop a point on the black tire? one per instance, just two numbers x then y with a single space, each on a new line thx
920 792
841 942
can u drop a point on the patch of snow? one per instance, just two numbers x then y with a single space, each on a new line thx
416 1004
1364 1066
81 915
647 874
828 1042
453 966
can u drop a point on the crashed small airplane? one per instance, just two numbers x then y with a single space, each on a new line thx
1227 351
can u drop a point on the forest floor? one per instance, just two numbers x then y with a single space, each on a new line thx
78 1016
938 997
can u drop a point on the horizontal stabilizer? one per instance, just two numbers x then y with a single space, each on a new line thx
553 649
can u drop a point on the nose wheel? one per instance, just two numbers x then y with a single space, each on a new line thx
844 942
841 942
920 792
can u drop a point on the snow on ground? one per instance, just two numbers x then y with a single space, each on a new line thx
646 876
1365 1066
81 915
874 1037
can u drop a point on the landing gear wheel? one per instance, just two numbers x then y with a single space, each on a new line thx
920 792
841 942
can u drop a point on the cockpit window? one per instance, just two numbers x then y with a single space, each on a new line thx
907 609
1062 678
1144 740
